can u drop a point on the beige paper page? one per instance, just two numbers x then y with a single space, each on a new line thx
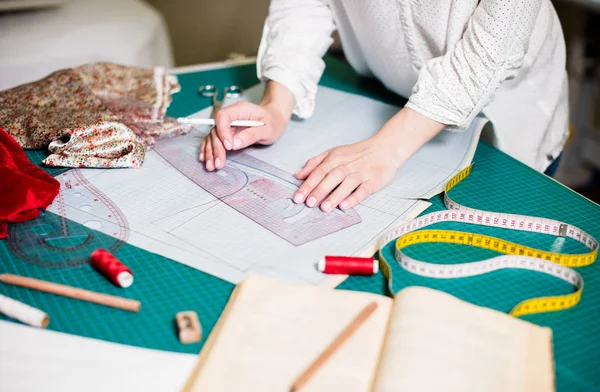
273 331
437 342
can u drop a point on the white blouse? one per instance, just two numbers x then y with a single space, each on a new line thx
452 59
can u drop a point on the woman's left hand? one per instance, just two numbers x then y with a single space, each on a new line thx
344 176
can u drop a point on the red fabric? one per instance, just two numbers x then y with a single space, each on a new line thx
24 187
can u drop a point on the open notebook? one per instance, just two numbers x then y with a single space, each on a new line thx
424 340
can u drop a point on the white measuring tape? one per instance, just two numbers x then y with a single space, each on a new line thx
515 255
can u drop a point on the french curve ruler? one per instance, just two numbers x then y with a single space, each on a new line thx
513 255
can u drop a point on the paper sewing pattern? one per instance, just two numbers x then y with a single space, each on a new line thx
231 222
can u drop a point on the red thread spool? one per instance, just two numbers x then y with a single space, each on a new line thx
109 266
346 265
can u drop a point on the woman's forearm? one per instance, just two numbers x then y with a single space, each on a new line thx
279 98
407 132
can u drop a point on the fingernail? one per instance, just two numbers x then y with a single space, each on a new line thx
209 165
344 205
311 201
237 143
201 156
218 162
298 198
227 144
326 206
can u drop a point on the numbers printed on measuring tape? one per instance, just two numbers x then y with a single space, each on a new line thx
514 255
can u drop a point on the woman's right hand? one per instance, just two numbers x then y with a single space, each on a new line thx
275 111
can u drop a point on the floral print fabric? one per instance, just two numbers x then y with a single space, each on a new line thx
95 115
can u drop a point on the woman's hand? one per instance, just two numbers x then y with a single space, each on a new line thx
275 111
348 174
345 176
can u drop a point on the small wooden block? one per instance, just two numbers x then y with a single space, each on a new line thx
188 324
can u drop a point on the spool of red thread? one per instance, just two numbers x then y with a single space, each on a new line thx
109 266
345 265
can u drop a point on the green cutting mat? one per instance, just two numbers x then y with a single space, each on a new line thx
498 183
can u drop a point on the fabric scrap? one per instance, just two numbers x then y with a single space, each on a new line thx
25 188
96 115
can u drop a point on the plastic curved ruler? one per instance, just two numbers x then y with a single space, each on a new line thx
514 255
56 240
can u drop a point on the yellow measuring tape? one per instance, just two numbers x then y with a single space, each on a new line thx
514 255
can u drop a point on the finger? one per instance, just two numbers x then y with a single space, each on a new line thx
342 192
208 154
218 150
237 111
223 119
314 179
357 197
246 137
326 186
310 165
202 147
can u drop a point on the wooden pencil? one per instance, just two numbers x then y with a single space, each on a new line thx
72 292
346 333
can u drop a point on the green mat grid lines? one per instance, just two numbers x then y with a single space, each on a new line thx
497 183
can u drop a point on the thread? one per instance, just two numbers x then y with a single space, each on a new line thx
109 266
347 265
23 312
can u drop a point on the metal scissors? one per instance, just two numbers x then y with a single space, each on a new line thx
210 90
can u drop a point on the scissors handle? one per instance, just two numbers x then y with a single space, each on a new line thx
216 105
210 90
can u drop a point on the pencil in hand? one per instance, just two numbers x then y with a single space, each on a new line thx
211 122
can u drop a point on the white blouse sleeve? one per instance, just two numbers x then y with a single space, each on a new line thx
454 88
296 35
